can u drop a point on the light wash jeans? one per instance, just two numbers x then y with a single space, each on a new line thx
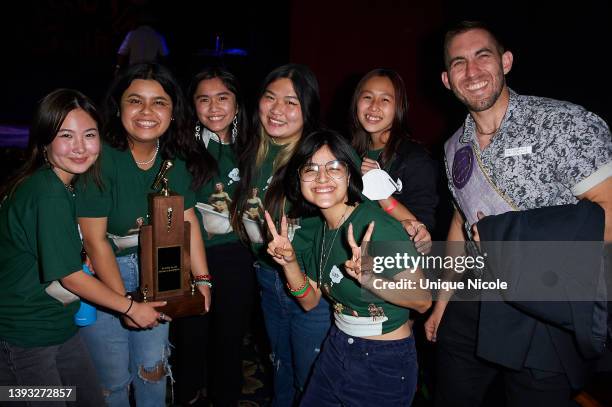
122 355
295 335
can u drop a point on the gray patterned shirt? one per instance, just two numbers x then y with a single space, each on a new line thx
545 153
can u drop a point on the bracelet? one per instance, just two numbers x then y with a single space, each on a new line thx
299 290
128 296
390 208
202 277
204 282
305 293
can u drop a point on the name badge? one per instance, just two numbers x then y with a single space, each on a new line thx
511 152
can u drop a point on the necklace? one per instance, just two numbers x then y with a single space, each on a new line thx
70 188
149 161
322 264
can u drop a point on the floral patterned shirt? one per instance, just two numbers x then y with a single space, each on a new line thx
545 153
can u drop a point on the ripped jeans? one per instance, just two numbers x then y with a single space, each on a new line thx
123 356
295 335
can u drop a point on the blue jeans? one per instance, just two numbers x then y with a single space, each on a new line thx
123 356
363 372
66 364
295 335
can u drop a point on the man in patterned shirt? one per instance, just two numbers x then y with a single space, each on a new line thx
513 152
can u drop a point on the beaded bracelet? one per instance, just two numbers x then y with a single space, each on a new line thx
300 290
204 282
202 277
305 293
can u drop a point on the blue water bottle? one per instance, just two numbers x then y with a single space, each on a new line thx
87 313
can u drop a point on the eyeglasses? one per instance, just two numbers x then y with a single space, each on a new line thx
335 169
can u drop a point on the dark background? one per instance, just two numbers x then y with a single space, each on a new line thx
559 51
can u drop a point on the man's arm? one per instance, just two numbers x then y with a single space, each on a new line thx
601 194
455 234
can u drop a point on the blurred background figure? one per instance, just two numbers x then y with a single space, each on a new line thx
142 44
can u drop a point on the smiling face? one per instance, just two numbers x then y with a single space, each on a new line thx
325 192
280 112
215 106
475 71
376 105
146 110
75 147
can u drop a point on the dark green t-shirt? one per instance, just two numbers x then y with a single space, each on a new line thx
123 199
215 231
301 230
39 243
347 296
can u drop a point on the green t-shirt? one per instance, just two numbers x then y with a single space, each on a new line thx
124 198
39 243
301 230
219 200
347 296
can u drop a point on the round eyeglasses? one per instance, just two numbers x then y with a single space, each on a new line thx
335 169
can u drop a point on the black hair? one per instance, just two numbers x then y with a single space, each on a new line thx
178 141
307 147
399 126
463 26
255 151
51 112
231 83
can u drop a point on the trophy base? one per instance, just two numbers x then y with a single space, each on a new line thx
179 306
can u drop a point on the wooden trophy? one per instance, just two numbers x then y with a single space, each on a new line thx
165 268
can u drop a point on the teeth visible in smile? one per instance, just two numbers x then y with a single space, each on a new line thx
373 118
322 190
215 118
277 122
477 85
146 123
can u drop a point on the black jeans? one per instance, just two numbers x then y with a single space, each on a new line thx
67 364
463 379
208 348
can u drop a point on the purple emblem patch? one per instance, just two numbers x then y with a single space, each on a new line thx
463 164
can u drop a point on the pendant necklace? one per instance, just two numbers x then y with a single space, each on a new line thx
323 259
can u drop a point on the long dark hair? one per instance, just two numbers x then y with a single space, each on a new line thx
307 147
231 83
256 149
399 127
178 141
50 114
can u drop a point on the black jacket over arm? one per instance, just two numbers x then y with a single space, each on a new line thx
518 330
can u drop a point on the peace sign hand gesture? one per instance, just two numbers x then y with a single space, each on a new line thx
360 265
280 247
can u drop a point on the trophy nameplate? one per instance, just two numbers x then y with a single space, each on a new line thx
165 267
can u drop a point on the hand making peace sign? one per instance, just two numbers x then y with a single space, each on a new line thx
280 247
360 265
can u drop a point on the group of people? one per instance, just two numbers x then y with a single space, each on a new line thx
336 338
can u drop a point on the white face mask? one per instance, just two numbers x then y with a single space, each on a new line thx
378 184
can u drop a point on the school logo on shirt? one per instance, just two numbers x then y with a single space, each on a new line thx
336 275
234 176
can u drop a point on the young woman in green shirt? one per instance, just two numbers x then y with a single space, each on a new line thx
369 358
220 125
40 255
146 123
288 109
